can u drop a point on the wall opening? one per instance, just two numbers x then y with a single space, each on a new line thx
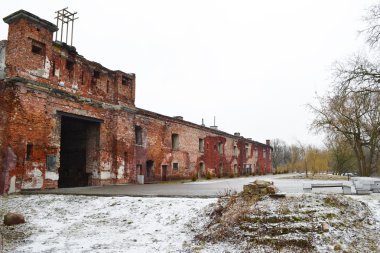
175 141
201 171
124 80
221 172
53 69
138 135
149 169
220 148
164 172
38 48
69 65
201 145
125 164
79 151
139 170
96 74
29 152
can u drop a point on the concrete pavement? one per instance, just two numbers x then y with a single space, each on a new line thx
198 189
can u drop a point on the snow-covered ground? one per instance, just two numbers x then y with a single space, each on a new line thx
373 202
65 223
103 224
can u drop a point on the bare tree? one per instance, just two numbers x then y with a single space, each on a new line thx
281 153
342 158
372 30
352 110
303 157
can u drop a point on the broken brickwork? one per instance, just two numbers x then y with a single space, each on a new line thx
66 121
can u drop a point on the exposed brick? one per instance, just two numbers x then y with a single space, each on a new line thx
50 92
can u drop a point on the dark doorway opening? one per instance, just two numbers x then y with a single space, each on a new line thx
149 169
79 151
201 171
164 172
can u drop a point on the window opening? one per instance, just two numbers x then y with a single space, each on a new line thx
175 141
53 71
96 74
124 80
38 47
29 152
201 145
138 135
220 148
69 65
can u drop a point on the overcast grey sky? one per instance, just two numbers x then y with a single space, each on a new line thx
252 64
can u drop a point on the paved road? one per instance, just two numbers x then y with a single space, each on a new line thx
200 189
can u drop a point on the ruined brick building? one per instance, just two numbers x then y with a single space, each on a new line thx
66 121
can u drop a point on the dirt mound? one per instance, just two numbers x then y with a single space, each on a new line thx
254 221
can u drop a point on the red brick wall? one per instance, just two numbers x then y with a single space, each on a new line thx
62 67
30 114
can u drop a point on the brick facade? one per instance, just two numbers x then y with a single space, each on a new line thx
66 121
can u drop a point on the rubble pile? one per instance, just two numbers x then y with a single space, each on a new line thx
257 220
259 187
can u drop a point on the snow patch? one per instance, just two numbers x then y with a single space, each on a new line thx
104 224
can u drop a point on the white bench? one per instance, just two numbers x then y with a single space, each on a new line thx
366 186
309 187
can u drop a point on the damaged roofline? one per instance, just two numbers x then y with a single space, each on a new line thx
194 125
